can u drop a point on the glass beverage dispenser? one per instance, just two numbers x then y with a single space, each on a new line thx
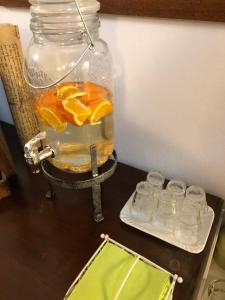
68 68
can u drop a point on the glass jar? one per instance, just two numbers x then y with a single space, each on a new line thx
71 82
215 290
219 254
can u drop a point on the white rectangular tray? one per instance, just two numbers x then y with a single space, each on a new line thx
198 247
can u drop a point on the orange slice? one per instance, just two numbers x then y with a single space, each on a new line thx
52 118
47 98
80 113
100 109
93 92
69 92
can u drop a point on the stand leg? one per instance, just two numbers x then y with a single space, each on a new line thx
96 188
50 193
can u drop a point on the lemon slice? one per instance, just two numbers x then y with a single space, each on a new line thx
78 110
52 119
100 109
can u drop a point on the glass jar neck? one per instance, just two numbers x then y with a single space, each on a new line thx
58 21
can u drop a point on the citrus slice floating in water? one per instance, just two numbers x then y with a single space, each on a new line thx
93 92
100 108
80 113
47 99
69 91
53 119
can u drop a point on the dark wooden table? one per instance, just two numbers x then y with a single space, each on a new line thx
44 244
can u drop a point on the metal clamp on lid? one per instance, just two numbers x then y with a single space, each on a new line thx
33 156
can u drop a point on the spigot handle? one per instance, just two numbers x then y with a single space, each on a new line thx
29 146
33 156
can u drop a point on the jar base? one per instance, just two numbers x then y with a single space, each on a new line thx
83 168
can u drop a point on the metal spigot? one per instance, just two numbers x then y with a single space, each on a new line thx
33 156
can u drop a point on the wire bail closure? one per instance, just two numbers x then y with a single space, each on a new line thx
90 46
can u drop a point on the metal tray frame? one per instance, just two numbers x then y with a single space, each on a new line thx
174 277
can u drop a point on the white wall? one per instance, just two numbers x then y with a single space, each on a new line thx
170 94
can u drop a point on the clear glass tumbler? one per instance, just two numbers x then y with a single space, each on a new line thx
177 189
155 180
197 197
163 218
142 208
215 290
187 224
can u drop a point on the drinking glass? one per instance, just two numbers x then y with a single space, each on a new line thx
177 189
215 290
155 180
163 218
142 208
196 196
187 224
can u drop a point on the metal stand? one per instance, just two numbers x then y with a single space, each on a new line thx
94 182
96 188
174 278
50 193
